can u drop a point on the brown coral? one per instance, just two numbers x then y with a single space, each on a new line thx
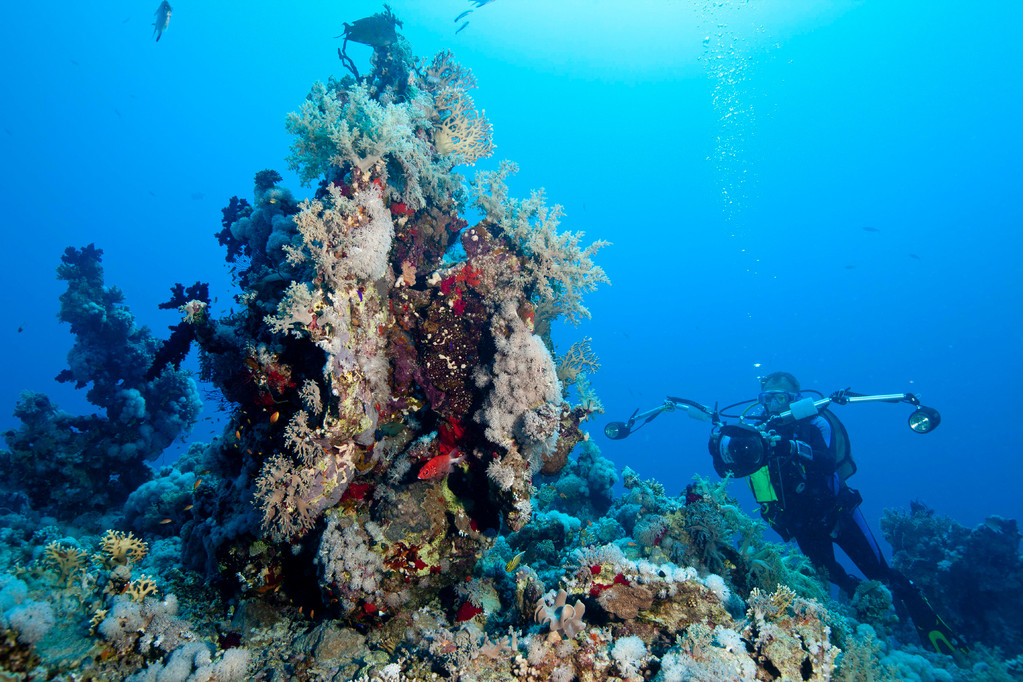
626 600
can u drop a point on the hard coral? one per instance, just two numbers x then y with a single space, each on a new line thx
122 549
457 128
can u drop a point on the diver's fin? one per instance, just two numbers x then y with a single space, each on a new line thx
933 631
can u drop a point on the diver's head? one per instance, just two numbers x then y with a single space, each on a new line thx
778 390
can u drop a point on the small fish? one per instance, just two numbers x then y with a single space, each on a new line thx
514 563
188 507
871 229
197 483
274 417
441 465
163 15
166 521
914 256
850 267
463 15
461 27
391 429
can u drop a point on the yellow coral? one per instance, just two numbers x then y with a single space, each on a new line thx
140 588
65 560
122 549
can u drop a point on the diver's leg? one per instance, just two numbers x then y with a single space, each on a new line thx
856 540
818 548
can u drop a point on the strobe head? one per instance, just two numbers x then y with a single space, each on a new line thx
617 430
924 419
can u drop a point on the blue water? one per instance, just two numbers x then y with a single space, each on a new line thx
828 188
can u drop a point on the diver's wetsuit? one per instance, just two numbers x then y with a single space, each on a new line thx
816 507
819 510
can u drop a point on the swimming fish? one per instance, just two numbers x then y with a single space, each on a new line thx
514 563
441 465
871 229
461 27
163 15
463 15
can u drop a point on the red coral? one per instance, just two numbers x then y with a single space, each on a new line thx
399 208
356 491
467 612
469 275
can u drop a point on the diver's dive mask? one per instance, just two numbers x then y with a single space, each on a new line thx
777 400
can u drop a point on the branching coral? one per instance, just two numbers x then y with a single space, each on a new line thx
65 560
457 129
577 359
557 270
122 549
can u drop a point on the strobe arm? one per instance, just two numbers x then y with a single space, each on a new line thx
923 419
620 430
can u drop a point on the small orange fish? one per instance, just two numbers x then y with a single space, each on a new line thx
441 465
274 417
238 434
197 483
188 507
166 521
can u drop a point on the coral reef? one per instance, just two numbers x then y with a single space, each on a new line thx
974 577
64 463
404 489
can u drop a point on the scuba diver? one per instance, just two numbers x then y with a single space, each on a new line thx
795 454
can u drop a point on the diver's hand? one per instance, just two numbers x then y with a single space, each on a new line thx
778 446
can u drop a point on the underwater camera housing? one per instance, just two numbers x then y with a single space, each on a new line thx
742 447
